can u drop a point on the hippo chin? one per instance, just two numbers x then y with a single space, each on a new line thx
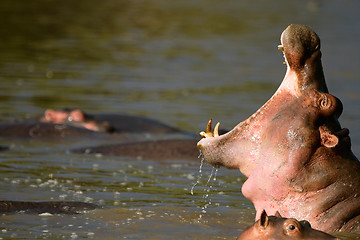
296 156
277 227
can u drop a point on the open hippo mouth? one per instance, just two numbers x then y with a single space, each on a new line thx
212 147
208 136
296 156
289 120
209 132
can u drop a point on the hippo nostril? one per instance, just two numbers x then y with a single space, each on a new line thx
216 165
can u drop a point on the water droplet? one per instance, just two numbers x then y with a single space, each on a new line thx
199 177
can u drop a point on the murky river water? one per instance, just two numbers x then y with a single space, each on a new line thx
180 62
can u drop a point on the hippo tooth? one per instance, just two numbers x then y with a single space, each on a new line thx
203 134
208 126
216 130
208 132
280 47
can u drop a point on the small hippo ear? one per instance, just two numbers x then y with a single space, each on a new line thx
277 214
49 114
264 219
327 138
328 104
77 115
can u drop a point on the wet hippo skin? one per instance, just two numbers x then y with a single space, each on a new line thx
155 149
52 207
279 228
32 129
127 123
293 150
107 122
74 117
76 123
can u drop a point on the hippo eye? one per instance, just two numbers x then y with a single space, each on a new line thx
292 227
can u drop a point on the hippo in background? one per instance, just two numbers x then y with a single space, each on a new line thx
67 123
74 117
52 207
161 142
157 149
162 149
55 124
293 150
105 122
279 228
32 129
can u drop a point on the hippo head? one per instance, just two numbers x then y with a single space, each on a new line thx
276 227
285 146
299 118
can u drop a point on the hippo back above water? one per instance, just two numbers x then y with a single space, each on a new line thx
278 228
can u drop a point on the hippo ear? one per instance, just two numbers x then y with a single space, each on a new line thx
327 138
264 219
49 114
328 104
277 214
77 115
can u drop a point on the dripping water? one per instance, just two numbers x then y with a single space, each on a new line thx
208 186
200 173
207 190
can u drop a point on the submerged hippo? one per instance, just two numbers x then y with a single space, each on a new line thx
118 123
74 117
76 123
293 150
52 207
278 228
32 129
160 149
152 149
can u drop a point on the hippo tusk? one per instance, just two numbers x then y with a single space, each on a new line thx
281 48
208 126
216 130
209 132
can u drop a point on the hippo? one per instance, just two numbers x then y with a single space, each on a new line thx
278 228
106 122
52 207
296 156
151 149
33 129
76 123
157 149
74 117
